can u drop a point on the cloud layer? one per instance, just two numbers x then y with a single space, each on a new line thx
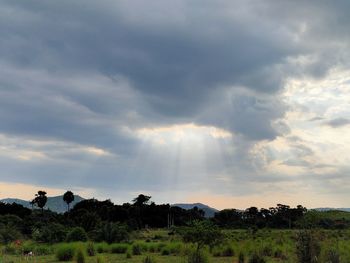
175 98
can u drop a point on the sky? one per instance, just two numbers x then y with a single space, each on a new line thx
229 103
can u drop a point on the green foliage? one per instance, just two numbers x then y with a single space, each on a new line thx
52 233
102 248
65 252
80 256
197 256
308 247
136 249
100 259
149 259
77 234
90 249
111 232
202 233
9 249
9 234
119 248
223 251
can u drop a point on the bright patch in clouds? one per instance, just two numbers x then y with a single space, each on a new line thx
229 100
182 132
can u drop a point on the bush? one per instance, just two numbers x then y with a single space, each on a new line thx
111 232
308 248
10 249
77 234
256 258
65 253
80 256
102 248
42 250
9 234
119 248
148 259
136 249
90 249
197 256
52 233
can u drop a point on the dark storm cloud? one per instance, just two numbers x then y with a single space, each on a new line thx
174 54
91 72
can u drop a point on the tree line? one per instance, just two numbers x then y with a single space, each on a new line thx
106 221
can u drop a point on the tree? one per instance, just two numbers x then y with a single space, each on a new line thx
40 200
68 197
141 200
202 233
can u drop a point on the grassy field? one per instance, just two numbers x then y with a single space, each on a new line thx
272 245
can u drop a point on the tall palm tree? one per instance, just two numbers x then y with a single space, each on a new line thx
40 200
68 197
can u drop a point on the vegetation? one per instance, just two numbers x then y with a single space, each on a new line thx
100 231
68 197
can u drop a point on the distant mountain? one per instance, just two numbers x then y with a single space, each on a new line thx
322 209
209 211
54 203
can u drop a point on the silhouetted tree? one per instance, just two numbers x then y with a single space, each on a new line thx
68 197
40 200
141 200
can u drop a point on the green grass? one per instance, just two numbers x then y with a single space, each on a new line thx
273 245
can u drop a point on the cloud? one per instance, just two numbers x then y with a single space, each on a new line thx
168 95
337 123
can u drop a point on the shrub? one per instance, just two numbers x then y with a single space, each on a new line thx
10 249
65 253
77 234
308 248
9 234
90 249
148 259
175 248
80 256
111 232
102 247
256 258
197 256
52 233
119 248
136 249
42 250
